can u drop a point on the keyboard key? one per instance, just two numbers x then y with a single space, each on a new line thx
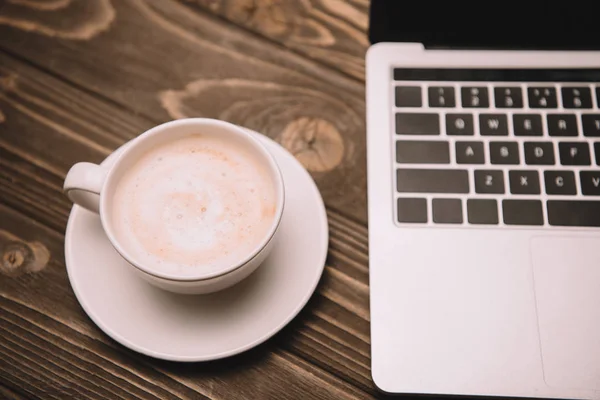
408 96
504 153
441 96
493 125
469 153
562 125
474 97
560 182
597 95
524 182
576 97
522 212
590 124
459 124
432 180
590 182
573 213
447 211
417 124
542 97
412 210
528 125
489 182
482 212
422 152
597 152
574 153
539 153
508 97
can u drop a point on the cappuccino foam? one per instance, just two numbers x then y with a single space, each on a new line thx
194 205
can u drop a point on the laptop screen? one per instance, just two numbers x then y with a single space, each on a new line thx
567 25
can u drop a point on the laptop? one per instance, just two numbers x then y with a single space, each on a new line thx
483 152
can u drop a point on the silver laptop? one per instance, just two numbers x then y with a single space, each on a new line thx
484 207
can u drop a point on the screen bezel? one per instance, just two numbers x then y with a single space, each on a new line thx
573 28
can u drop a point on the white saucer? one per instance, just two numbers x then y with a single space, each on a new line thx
205 327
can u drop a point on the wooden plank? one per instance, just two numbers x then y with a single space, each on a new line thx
217 72
10 394
331 333
36 343
333 32
194 65
46 338
36 123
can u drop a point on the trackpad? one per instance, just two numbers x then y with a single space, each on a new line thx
566 273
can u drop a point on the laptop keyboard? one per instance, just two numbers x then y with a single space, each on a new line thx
499 153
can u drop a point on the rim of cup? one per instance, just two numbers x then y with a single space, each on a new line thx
113 173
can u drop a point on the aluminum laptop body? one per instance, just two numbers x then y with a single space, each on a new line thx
484 212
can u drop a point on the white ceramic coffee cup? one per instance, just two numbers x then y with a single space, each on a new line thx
91 186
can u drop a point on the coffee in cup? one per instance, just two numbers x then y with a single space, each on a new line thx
195 204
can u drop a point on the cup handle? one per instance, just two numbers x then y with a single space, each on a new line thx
83 185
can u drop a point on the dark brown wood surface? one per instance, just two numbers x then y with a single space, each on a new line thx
80 77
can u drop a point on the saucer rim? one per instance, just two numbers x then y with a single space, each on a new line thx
224 354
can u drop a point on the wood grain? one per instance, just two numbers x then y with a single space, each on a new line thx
331 32
83 20
54 345
335 330
261 88
66 99
11 393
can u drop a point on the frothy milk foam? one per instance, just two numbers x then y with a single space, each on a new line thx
194 205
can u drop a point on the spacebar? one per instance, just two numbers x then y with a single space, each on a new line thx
432 180
573 213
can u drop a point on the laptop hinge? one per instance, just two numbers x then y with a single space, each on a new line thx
507 48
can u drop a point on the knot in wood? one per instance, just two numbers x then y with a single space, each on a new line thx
315 142
273 18
8 82
15 257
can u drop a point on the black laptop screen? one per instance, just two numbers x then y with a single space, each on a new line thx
568 25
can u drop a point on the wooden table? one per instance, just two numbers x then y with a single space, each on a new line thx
80 77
